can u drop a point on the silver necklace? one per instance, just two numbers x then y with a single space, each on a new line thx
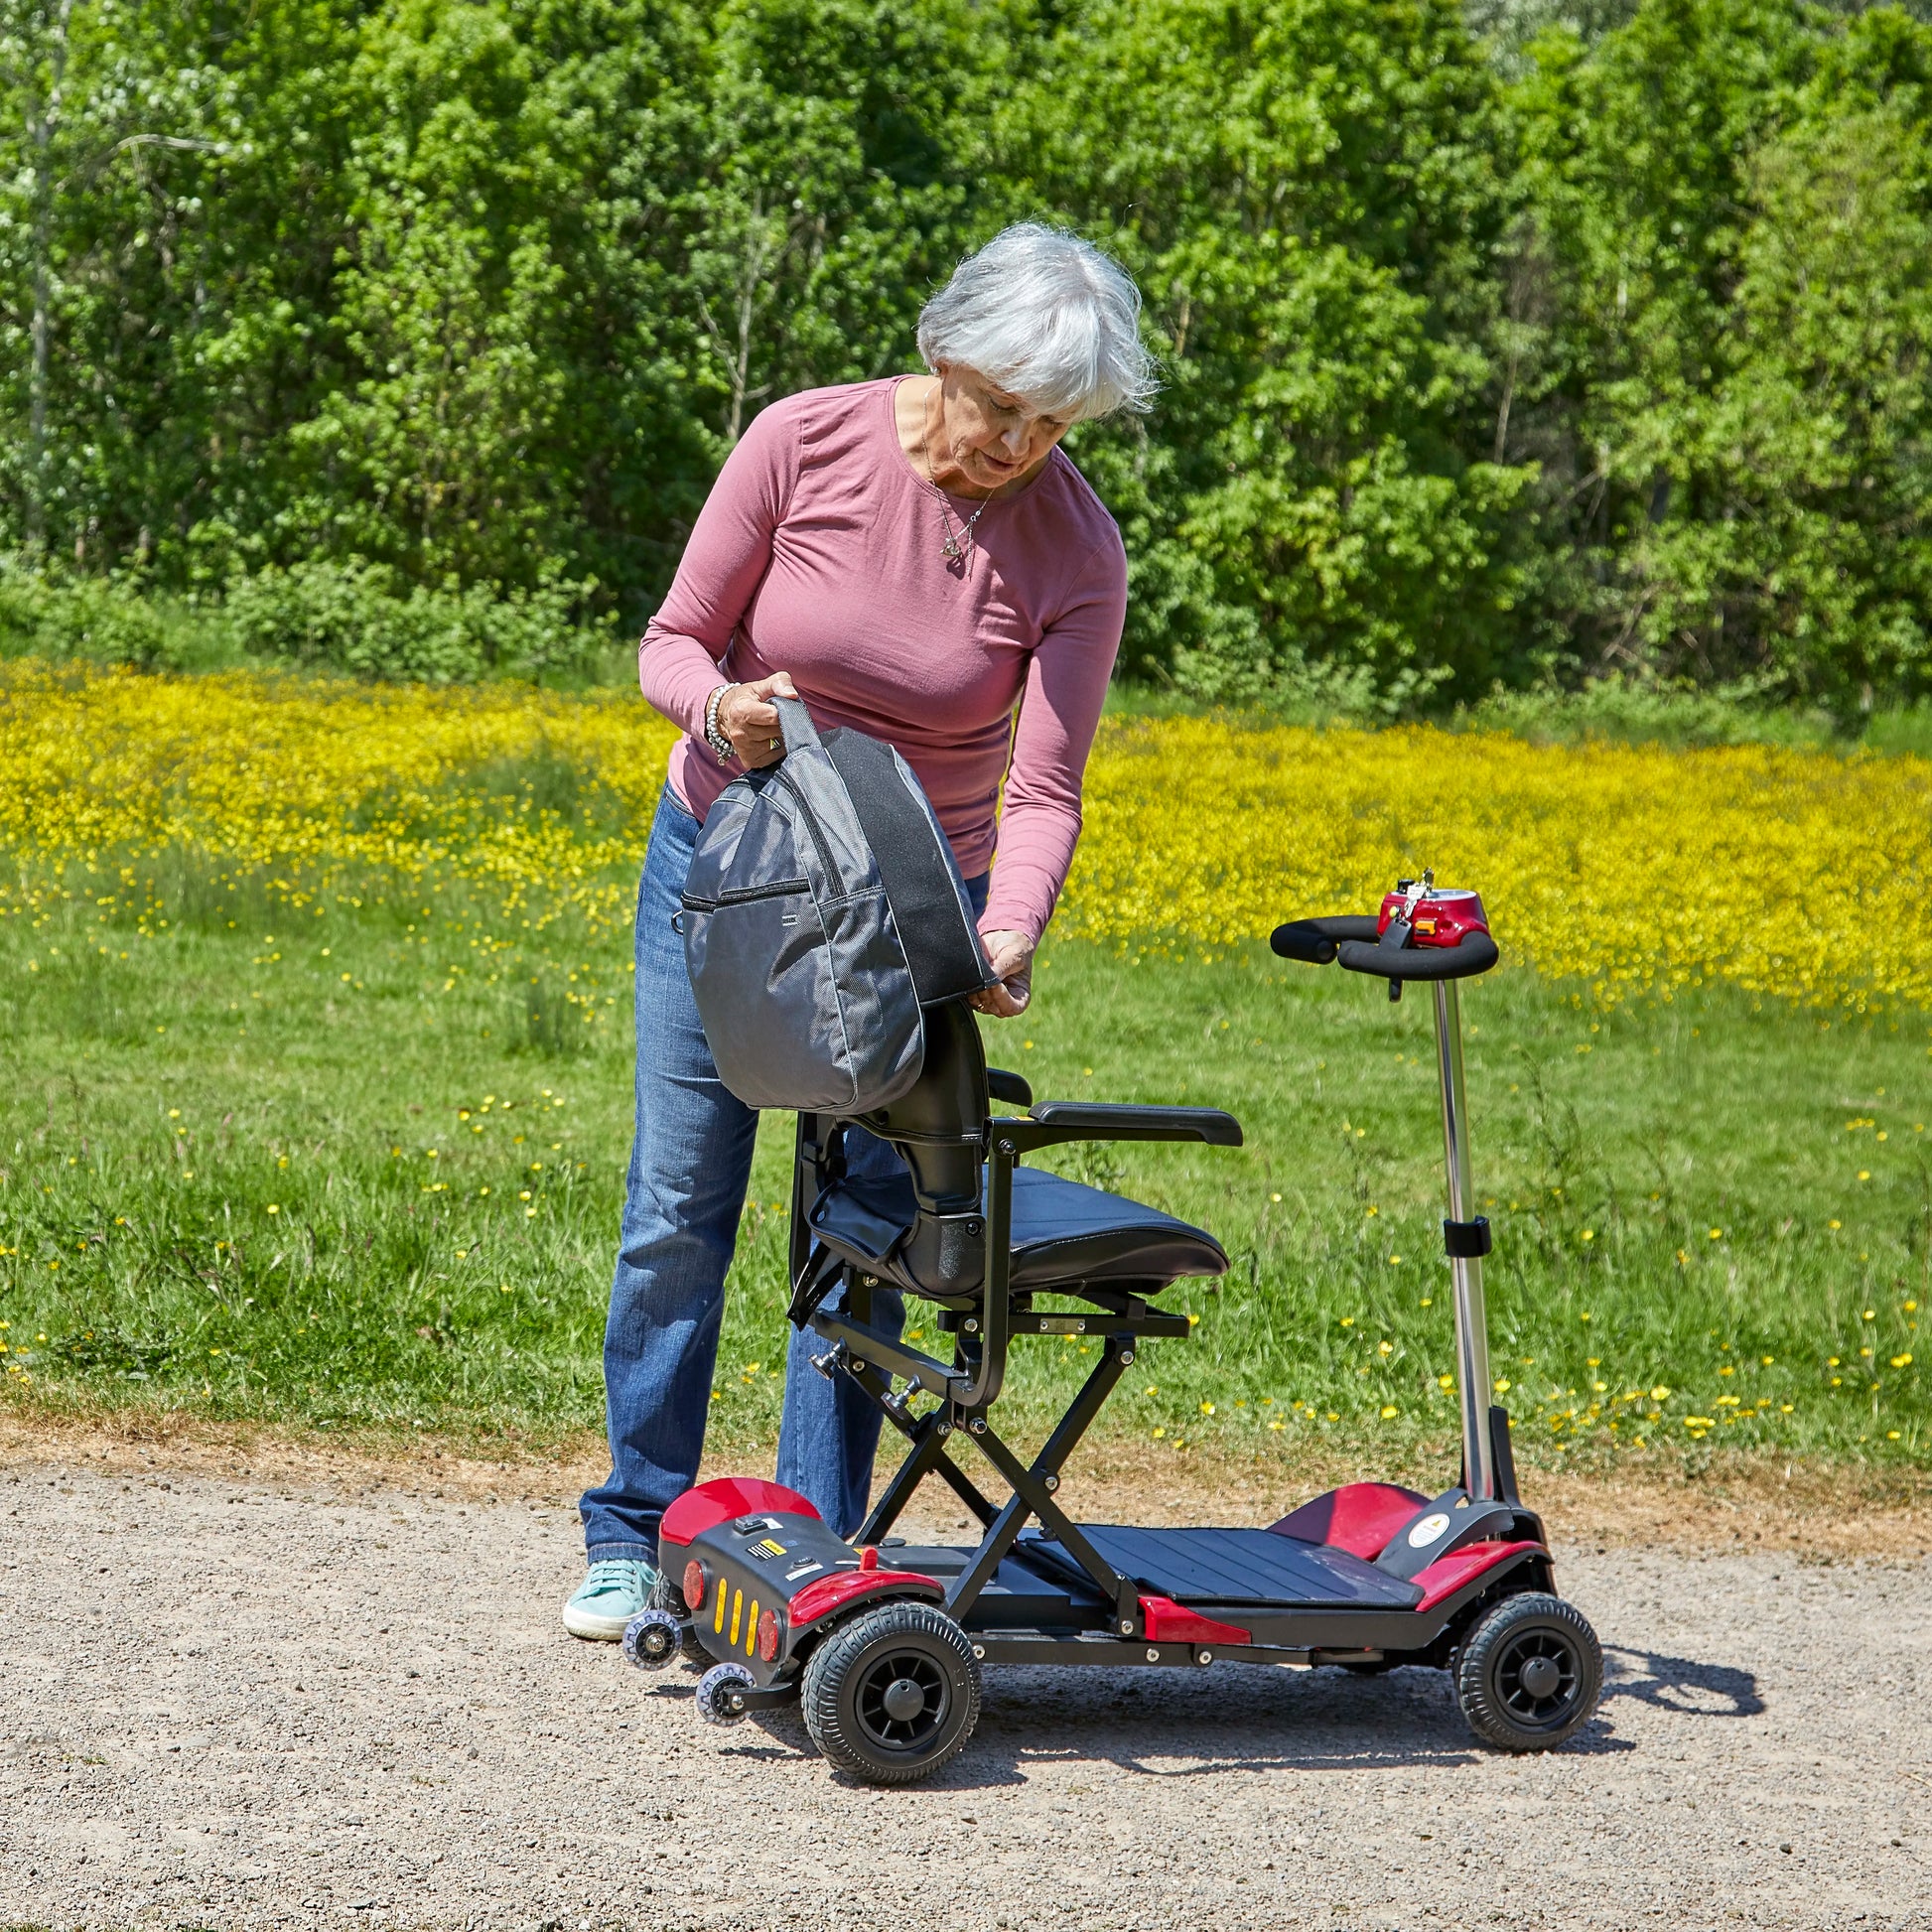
958 542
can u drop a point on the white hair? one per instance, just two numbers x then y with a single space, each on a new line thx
1047 318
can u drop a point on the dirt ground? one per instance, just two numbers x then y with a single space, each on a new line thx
247 1683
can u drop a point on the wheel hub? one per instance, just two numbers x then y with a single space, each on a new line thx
1537 1677
904 1700
1541 1677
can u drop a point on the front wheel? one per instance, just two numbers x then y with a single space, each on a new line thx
893 1694
1528 1673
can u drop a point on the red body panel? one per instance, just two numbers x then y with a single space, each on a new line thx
1447 1574
724 1500
1441 915
843 1588
1168 1622
1359 1517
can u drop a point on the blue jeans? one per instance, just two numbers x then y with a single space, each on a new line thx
690 1166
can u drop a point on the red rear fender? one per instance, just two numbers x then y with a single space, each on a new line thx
844 1587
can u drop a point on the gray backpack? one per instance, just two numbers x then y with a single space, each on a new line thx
823 910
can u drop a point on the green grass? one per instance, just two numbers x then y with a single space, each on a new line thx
243 1154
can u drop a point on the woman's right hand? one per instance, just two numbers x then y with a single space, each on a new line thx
746 716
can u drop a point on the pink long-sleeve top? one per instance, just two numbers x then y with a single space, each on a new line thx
820 552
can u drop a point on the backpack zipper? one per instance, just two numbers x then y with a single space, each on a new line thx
739 895
818 835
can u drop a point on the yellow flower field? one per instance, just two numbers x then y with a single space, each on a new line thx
1792 873
1795 874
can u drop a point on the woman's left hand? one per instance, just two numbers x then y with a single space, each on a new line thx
1012 957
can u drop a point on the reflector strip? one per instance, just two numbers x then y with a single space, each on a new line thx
717 1615
751 1628
737 1604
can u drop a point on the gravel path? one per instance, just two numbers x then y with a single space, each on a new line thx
231 1704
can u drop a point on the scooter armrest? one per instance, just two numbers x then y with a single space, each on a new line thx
1095 1120
1008 1087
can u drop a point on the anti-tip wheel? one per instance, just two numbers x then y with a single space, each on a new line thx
652 1638
721 1692
893 1694
1528 1673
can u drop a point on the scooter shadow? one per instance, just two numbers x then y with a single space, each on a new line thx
1235 1718
1253 1719
1678 1684
1173 1724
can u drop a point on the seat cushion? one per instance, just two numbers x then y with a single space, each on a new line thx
1063 1232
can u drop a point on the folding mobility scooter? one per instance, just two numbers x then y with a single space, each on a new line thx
884 1641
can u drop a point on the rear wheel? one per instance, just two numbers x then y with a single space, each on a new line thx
893 1694
1528 1673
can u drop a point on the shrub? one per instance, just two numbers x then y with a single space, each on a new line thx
357 616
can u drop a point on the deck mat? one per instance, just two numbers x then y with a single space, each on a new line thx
1236 1566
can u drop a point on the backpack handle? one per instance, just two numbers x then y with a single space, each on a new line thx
795 725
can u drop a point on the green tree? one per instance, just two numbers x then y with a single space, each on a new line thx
1310 194
114 119
1726 230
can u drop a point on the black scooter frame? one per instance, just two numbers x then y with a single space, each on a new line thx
1115 1630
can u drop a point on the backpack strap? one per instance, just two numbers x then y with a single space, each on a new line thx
795 725
941 948
817 1280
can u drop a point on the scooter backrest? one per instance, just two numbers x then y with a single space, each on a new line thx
938 1128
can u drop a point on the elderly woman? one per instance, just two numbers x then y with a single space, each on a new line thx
917 558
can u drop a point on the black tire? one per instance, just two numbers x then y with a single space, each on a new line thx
1528 1673
890 1653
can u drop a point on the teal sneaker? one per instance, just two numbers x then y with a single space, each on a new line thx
611 1593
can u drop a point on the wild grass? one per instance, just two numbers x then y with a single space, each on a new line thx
358 1167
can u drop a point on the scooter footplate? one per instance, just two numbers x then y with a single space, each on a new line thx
1255 1567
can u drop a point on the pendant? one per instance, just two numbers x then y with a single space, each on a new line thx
953 551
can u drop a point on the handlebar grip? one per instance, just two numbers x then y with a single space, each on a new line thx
1476 954
1314 942
1298 939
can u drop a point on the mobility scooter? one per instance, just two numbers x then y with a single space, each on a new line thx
884 1641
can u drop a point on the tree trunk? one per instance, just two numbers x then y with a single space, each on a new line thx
42 123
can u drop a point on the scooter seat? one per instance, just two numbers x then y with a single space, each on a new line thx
1063 1233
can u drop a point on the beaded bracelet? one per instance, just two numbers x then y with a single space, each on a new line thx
720 745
